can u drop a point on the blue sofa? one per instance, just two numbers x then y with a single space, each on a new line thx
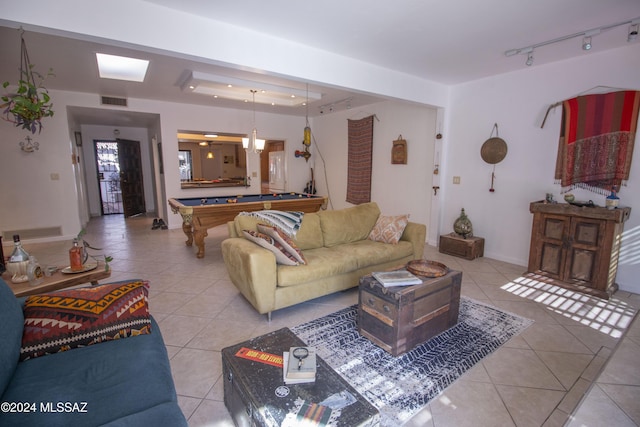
125 382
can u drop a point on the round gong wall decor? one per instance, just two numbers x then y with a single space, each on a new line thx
493 151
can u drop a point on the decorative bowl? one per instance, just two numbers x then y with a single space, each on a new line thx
569 198
427 268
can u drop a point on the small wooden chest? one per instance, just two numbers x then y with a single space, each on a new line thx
399 318
469 248
255 394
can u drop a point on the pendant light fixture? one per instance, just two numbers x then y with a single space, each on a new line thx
210 153
253 144
306 141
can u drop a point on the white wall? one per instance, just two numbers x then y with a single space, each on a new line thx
517 102
31 196
398 189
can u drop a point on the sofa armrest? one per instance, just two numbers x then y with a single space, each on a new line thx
253 271
417 235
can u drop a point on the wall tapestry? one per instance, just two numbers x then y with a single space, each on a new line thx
596 141
360 153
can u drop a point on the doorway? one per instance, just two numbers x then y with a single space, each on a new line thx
120 181
270 146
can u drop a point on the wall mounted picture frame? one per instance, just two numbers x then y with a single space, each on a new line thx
399 152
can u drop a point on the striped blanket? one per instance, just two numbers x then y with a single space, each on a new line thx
596 141
288 222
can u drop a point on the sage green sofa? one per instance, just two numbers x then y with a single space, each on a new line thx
336 247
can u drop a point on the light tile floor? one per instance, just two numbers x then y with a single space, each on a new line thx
538 378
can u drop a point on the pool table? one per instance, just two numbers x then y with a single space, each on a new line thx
201 213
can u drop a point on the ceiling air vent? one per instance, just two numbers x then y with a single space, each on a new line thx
112 100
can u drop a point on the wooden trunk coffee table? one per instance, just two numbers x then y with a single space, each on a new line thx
255 393
401 317
57 281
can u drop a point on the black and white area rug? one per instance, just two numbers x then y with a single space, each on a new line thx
400 386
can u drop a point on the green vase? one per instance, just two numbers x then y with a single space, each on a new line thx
462 226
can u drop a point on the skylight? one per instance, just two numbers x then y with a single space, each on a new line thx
121 67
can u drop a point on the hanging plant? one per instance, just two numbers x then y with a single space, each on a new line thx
31 102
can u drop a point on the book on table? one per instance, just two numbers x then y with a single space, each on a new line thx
299 365
396 278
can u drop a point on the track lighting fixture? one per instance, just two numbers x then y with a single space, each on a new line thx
633 32
586 39
333 106
529 59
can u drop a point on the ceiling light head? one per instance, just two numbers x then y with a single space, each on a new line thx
586 43
529 59
633 32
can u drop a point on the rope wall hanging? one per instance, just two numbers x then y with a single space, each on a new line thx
493 151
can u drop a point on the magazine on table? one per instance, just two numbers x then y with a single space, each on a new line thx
396 278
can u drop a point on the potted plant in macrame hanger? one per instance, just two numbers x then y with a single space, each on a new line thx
30 103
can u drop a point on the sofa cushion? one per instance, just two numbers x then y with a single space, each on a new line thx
267 242
11 325
348 225
64 320
309 235
369 253
116 379
285 241
389 229
321 262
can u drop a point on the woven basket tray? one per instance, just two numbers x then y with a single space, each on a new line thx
426 268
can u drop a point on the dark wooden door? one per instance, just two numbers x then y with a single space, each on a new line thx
131 182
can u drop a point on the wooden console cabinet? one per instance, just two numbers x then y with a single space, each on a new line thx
577 247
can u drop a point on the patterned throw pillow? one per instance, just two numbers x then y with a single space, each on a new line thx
389 229
64 320
285 241
282 256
